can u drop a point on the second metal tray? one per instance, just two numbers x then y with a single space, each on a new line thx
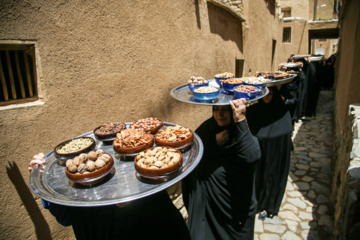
184 94
281 81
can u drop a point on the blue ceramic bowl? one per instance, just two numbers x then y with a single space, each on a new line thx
229 87
195 86
217 79
259 85
206 96
247 95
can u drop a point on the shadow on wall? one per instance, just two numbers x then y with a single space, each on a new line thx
42 229
225 25
271 6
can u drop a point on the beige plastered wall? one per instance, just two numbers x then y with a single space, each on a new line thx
299 39
347 85
262 27
299 29
299 8
324 9
111 61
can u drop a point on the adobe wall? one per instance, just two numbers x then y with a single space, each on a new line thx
300 29
261 28
324 9
110 61
346 184
299 39
299 8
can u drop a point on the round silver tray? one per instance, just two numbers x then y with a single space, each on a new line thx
316 59
184 94
123 184
281 81
291 65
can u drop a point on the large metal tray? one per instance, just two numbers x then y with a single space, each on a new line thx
281 81
291 65
184 94
123 184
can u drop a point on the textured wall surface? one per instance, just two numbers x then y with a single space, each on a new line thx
347 113
103 61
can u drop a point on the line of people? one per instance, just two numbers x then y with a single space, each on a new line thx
243 171
302 94
219 194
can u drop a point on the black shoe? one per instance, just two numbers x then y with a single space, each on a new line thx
262 215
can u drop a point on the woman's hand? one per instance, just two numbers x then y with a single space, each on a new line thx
239 109
222 137
37 159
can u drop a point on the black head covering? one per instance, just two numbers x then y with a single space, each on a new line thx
262 115
305 64
218 128
208 130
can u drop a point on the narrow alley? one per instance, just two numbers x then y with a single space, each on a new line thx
306 210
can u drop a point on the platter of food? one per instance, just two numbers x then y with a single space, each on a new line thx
316 58
222 97
291 65
278 78
118 179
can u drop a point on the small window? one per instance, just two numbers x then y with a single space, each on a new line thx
17 74
287 34
239 67
286 12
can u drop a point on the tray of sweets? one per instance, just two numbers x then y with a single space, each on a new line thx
184 94
123 184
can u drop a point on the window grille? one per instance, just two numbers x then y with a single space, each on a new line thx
17 74
287 35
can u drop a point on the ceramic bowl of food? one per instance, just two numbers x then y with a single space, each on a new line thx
193 86
132 141
223 76
108 131
259 82
158 162
174 136
261 86
196 82
247 91
150 124
89 169
73 147
206 93
231 83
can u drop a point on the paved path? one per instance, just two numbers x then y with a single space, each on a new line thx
306 211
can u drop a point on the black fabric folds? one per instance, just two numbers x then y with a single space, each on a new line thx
219 194
271 124
153 217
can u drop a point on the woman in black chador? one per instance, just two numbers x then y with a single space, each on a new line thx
270 121
219 194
